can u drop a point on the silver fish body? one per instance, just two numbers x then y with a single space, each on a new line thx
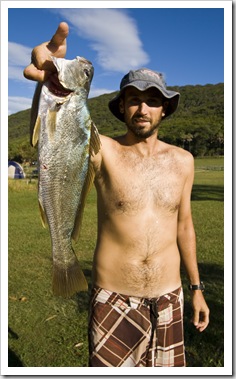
66 139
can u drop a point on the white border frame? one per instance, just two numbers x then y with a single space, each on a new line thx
86 371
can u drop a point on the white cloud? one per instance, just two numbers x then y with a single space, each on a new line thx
112 34
15 73
94 92
17 104
19 56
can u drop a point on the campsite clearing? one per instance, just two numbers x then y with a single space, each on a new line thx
46 331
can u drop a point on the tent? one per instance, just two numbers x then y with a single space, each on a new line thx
15 170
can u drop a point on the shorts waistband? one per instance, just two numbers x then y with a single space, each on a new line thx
106 296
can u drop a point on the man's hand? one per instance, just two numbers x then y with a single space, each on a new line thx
41 65
201 311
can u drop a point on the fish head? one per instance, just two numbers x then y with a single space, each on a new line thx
74 75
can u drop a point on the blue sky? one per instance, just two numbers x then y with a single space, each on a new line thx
186 44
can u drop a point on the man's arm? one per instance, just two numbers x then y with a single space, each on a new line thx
187 245
41 65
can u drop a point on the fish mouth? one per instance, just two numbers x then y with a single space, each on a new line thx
56 88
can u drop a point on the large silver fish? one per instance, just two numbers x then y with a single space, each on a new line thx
66 139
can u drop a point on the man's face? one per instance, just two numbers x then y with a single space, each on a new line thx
143 110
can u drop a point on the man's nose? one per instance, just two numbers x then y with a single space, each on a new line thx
142 107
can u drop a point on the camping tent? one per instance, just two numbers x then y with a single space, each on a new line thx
15 170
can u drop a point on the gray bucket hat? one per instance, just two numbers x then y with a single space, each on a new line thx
143 79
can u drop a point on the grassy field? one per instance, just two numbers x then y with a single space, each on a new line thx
45 331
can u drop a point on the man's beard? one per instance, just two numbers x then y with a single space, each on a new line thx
140 131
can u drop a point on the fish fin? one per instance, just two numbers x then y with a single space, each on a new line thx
34 111
80 211
35 135
94 147
43 215
51 122
68 280
95 142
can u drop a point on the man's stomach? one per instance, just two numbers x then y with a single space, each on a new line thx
137 259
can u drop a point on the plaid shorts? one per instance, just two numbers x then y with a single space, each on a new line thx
129 331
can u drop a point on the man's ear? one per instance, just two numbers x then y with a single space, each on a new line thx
121 106
165 105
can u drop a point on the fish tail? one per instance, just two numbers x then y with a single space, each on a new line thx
68 280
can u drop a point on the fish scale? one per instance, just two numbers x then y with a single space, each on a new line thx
66 138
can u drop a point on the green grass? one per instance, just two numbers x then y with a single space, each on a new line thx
46 331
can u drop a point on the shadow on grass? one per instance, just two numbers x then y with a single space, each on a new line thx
82 298
13 360
206 349
207 192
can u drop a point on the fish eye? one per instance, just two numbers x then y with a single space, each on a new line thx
86 72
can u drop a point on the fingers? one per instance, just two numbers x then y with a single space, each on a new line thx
201 326
201 311
32 73
200 320
41 65
59 38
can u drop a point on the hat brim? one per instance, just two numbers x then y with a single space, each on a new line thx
141 85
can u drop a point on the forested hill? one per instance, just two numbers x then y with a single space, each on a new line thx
197 125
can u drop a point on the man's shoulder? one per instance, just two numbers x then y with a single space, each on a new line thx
106 149
111 142
183 153
105 139
108 139
186 158
179 152
181 157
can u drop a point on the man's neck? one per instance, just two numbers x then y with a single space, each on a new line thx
143 146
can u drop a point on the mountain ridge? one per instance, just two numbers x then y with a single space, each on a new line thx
197 125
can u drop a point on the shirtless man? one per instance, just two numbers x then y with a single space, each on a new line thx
145 227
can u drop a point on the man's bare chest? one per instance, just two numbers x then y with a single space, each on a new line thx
131 184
